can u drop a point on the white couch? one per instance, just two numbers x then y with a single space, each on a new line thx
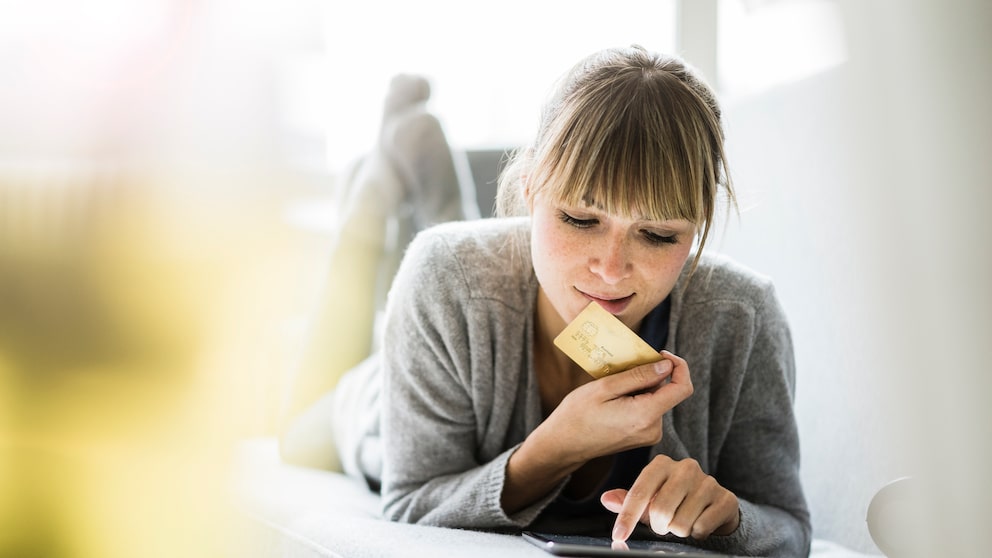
298 512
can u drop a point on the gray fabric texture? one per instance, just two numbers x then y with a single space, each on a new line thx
460 392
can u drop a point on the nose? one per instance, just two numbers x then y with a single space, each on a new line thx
611 260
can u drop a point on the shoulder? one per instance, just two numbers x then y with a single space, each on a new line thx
472 239
479 258
723 290
720 277
727 315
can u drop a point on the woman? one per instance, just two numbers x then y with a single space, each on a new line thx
485 424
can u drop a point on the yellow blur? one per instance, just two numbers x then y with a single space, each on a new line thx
148 275
139 320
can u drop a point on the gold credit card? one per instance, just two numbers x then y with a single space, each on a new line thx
602 345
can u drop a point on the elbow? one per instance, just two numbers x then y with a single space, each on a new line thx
397 507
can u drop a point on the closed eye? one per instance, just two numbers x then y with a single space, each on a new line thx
655 238
576 222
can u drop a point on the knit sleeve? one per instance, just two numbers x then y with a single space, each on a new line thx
434 472
759 458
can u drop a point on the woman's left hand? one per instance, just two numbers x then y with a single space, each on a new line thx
674 497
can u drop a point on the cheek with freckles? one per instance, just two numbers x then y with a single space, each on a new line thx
556 258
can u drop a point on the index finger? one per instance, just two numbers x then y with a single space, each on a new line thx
636 502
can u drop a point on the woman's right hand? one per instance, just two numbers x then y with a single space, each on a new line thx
620 411
615 413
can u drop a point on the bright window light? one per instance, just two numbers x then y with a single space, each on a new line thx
490 67
767 43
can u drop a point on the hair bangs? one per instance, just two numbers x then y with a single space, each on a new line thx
632 161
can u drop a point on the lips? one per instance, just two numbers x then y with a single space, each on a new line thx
612 304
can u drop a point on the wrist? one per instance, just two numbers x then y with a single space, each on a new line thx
532 471
546 454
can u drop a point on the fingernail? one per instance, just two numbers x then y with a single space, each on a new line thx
618 533
664 368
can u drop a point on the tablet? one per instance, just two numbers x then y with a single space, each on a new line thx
575 545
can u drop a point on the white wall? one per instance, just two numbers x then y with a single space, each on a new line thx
866 191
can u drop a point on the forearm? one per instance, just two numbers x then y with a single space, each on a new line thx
466 500
538 466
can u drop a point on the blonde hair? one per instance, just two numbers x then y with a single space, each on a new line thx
634 132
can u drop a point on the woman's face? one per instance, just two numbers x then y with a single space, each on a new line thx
584 254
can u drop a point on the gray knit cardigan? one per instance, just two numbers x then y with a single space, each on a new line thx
460 392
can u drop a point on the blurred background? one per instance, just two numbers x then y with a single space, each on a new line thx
167 171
